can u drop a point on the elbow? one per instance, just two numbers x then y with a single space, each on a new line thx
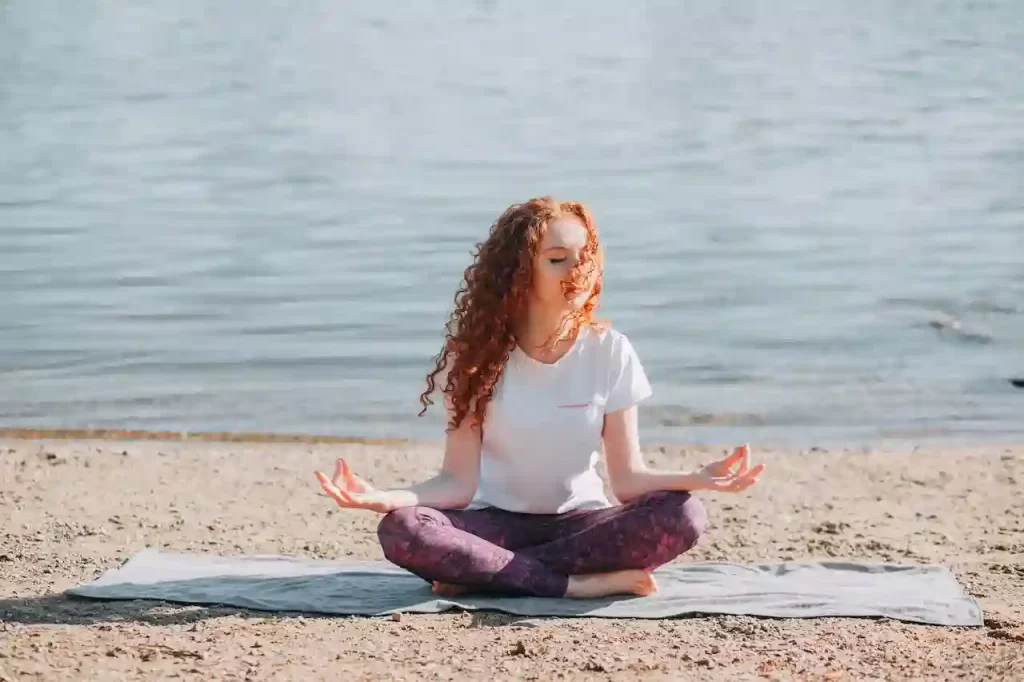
625 496
461 500
463 491
626 488
632 480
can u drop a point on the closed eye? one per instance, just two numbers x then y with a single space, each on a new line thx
556 261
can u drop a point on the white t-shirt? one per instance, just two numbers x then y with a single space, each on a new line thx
542 431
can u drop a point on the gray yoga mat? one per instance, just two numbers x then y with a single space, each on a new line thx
915 593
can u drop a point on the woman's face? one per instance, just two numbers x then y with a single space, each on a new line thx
560 249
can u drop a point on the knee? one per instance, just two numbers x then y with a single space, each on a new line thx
682 516
398 533
693 519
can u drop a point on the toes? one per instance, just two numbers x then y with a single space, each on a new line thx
647 585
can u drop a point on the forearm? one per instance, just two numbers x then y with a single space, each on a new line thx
443 491
643 481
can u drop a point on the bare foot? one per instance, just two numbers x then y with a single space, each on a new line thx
606 584
448 589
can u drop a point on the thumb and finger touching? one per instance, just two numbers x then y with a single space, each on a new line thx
340 495
345 479
733 473
353 492
733 464
740 457
350 478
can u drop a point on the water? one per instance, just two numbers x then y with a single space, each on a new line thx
252 216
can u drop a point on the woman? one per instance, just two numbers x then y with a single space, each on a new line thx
534 389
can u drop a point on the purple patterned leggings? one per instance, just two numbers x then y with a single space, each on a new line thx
534 554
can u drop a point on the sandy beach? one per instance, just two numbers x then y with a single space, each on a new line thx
71 509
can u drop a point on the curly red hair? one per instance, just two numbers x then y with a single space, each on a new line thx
480 333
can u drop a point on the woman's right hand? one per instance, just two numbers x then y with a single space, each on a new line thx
731 474
352 492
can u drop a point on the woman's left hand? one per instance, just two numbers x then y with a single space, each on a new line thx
352 492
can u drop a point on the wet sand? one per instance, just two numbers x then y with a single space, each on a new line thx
71 509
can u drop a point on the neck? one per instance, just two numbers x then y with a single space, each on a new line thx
542 326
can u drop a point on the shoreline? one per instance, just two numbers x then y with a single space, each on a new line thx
74 508
897 444
43 433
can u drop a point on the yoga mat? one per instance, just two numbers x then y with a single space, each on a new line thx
792 589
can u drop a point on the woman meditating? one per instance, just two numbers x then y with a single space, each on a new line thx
535 389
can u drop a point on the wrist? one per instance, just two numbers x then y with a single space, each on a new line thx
390 500
651 481
688 482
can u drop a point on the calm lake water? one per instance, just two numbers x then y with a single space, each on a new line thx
253 216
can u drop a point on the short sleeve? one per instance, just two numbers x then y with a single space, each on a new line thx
628 384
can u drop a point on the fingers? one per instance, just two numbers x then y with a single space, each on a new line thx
340 496
733 464
339 473
748 479
328 485
737 482
737 486
351 480
737 454
751 475
347 481
741 457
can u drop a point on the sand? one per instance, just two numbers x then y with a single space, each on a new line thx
70 509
